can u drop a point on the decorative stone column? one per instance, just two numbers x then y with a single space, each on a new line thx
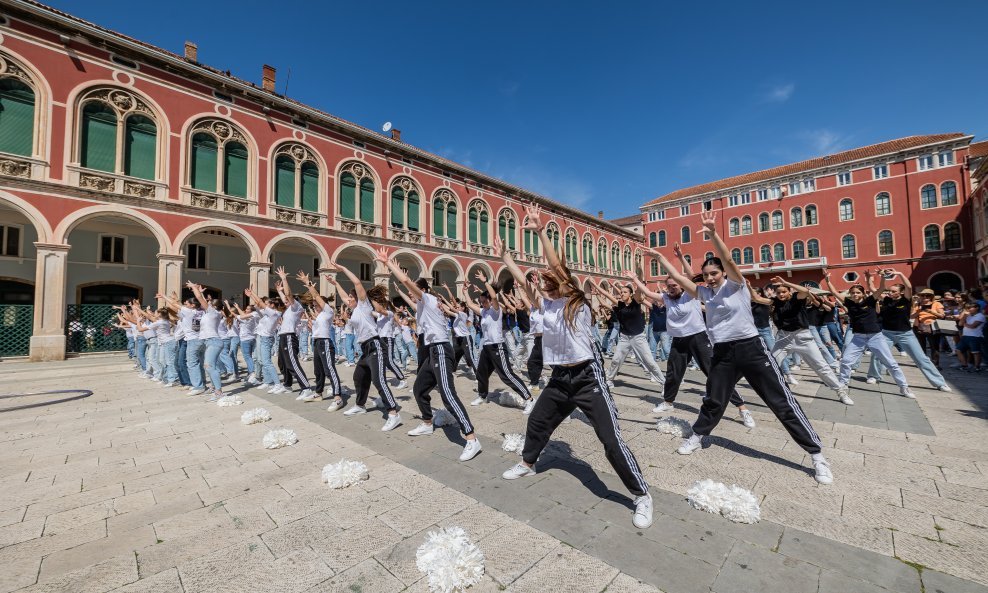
170 275
459 289
325 286
260 276
48 336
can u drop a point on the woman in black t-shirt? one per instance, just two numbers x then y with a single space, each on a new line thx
863 317
631 320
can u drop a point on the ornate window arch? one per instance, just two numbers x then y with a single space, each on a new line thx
616 258
296 179
444 213
118 133
552 232
602 253
406 206
530 240
507 228
572 251
20 117
357 192
478 223
219 160
588 245
627 258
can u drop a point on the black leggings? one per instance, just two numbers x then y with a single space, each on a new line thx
370 369
461 349
698 348
535 362
494 357
438 372
324 364
288 361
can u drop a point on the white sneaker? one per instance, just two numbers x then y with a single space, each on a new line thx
394 421
791 380
747 418
945 388
529 406
663 407
349 364
215 396
823 473
422 430
471 450
478 401
197 391
156 380
643 511
906 392
689 445
402 385
534 389
168 385
354 410
301 395
871 380
143 376
519 470
278 388
794 367
265 386
901 352
336 405
843 396
311 396
251 379
610 384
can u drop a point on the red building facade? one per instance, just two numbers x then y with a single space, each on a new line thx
902 204
126 170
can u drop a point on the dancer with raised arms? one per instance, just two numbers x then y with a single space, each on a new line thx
630 316
288 338
324 359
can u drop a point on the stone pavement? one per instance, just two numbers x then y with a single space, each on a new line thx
139 488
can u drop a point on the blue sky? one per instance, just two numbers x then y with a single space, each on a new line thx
602 106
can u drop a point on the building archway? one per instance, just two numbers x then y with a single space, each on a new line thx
359 259
217 259
413 266
942 281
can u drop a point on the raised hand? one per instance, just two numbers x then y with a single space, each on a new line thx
381 255
279 285
776 280
533 218
303 278
332 267
498 246
480 275
709 220
281 272
677 250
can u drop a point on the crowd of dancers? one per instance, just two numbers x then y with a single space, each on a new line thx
715 322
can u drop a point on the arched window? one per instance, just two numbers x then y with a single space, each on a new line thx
763 222
746 225
846 209
572 251
734 227
736 255
602 254
444 213
779 252
118 134
684 235
615 258
356 191
627 259
848 247
952 235
748 255
798 250
811 217
218 158
16 114
653 267
708 255
928 196
796 217
765 253
931 237
662 238
883 204
507 229
531 241
653 240
885 244
588 250
552 232
478 222
405 204
777 222
812 248
948 194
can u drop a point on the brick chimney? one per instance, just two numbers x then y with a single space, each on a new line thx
600 214
267 77
396 134
191 51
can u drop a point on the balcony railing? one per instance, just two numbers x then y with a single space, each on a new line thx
219 202
297 216
445 243
114 183
480 249
359 227
407 235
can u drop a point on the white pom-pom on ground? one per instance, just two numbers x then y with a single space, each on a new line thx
255 416
743 507
344 473
707 495
442 418
514 442
450 560
510 399
674 426
734 503
229 400
279 437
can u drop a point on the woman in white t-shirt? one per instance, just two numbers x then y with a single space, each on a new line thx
209 333
246 324
164 329
739 351
324 350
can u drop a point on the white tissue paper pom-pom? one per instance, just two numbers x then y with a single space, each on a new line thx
442 418
450 560
280 437
344 473
743 507
510 399
255 416
707 495
513 442
229 400
675 426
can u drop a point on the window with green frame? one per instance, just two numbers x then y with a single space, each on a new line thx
348 196
284 181
602 254
218 159
552 233
506 231
140 146
296 178
98 142
357 193
309 192
397 207
413 211
450 220
478 223
117 134
531 240
16 117
439 218
205 158
235 169
367 200
484 223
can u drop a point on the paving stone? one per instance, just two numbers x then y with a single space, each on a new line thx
366 577
838 582
938 582
566 569
512 550
166 581
572 527
95 578
690 539
750 568
623 583
16 533
120 544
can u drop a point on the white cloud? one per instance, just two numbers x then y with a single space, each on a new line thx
824 141
779 93
561 188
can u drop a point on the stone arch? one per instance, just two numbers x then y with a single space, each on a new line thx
65 227
415 256
41 225
313 155
942 280
42 99
247 238
445 259
302 237
358 245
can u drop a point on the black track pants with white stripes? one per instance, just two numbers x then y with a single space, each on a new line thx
583 386
461 349
535 362
750 358
437 372
495 357
288 361
324 364
388 345
681 351
370 370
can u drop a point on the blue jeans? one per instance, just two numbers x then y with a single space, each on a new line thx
247 347
827 351
835 334
226 362
908 343
131 342
824 334
211 360
769 338
608 336
303 342
401 352
142 348
349 341
878 344
657 339
193 361
169 353
181 364
265 346
154 362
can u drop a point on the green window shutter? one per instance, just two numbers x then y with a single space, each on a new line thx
438 219
484 220
310 187
413 211
502 230
397 207
472 226
511 234
451 220
367 200
284 181
204 152
235 169
16 117
526 241
99 137
348 196
140 147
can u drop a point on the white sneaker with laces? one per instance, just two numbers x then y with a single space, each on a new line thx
663 407
265 386
471 449
478 401
168 385
393 422
279 388
422 430
689 445
197 391
251 379
519 470
747 418
945 388
643 511
794 367
311 396
791 380
823 474
336 405
529 406
300 396
906 392
871 380
402 385
844 397
354 410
